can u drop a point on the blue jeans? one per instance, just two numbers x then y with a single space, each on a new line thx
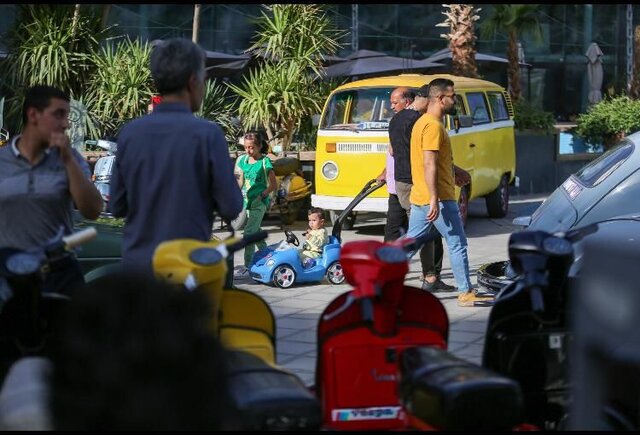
450 227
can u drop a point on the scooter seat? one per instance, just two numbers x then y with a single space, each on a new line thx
266 397
255 342
448 393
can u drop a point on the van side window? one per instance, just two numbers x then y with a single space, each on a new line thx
478 107
460 109
498 106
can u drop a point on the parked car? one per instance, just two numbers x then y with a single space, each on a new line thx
104 168
103 253
607 187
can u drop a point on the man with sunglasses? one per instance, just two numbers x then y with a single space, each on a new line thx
433 201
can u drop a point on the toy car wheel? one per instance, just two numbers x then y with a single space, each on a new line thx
335 275
284 276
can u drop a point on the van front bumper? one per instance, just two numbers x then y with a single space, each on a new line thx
341 202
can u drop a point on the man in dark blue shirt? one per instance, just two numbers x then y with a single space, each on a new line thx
172 169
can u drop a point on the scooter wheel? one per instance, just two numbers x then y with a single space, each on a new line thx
335 275
284 276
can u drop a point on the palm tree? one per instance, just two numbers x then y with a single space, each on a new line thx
515 21
291 42
462 38
196 23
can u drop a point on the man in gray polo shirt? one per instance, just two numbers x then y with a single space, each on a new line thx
41 177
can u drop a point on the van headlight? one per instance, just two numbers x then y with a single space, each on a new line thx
330 171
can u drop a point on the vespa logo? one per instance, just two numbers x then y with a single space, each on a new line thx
382 377
378 413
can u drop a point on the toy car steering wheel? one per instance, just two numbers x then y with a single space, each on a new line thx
292 238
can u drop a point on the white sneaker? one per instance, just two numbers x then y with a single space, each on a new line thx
241 272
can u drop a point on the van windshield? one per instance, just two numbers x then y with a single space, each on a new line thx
358 109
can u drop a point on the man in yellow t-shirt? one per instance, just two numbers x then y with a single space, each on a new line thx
433 201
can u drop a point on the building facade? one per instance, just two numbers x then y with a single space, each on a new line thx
556 81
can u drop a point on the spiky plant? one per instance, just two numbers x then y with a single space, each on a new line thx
45 47
220 107
462 37
121 86
291 42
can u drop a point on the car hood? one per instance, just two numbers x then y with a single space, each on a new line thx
108 242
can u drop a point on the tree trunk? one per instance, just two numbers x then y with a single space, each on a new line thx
196 23
514 67
634 92
76 18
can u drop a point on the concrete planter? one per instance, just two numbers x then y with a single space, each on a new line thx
539 166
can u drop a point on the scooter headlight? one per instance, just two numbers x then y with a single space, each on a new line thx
330 171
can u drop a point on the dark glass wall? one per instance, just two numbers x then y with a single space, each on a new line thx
556 81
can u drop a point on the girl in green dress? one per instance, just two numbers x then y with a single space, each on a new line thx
257 180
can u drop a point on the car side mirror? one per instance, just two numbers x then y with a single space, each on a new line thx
465 121
315 120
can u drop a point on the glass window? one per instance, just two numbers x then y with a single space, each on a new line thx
599 169
498 106
367 109
478 107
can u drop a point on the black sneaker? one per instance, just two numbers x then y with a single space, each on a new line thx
437 286
444 287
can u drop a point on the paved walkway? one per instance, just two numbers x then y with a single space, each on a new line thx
297 309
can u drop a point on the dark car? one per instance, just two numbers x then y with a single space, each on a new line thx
607 187
103 253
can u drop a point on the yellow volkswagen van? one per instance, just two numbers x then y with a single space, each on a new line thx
353 139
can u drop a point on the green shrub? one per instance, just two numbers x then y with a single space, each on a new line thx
609 119
529 117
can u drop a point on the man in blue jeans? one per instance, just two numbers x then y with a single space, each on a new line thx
432 198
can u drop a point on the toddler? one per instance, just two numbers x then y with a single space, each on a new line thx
316 237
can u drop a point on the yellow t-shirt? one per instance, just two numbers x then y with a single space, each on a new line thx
428 134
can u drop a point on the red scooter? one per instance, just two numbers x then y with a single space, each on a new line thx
382 362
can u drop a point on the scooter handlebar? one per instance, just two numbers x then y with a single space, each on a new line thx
80 237
247 240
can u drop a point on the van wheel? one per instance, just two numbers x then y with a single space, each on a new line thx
463 204
498 200
349 220
239 222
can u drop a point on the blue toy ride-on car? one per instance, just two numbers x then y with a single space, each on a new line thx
280 264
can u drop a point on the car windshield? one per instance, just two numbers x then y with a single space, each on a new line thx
358 109
599 169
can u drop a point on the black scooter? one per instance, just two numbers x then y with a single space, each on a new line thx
27 314
529 333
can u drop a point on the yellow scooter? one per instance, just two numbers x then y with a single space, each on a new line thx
263 395
243 320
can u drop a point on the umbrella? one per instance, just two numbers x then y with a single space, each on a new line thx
445 55
227 69
594 72
365 62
